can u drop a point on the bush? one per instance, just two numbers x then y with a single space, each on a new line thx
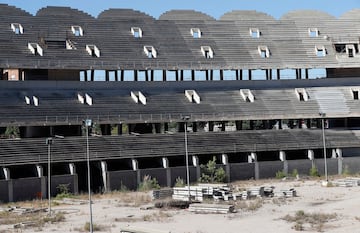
280 174
63 191
346 171
295 173
148 183
211 174
314 172
179 182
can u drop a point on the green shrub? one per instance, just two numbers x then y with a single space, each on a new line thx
148 183
211 174
179 182
280 174
314 172
346 171
294 173
63 191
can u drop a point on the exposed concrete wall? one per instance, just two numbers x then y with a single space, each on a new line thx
70 180
4 191
352 164
29 188
158 173
269 168
242 171
302 166
332 166
176 172
119 179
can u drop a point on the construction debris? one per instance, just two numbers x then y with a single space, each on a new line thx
347 182
212 209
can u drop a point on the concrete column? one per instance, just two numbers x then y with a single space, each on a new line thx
164 75
104 176
107 75
278 74
306 73
146 75
135 75
211 75
211 126
252 158
282 157
39 170
119 129
176 75
238 125
135 167
92 75
181 75
116 75
6 173
151 75
250 74
311 156
165 164
221 74
72 168
207 75
10 191
192 75
122 75
340 160
225 161
195 163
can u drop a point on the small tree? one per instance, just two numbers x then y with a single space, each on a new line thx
12 132
179 182
212 174
148 183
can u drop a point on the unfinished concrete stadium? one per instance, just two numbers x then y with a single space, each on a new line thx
256 92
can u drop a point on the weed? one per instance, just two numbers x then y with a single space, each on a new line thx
148 183
314 172
280 174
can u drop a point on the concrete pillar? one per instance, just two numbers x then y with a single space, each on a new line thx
10 191
165 164
278 74
151 75
221 74
116 75
104 176
176 75
252 158
250 74
122 75
225 161
195 163
192 75
164 75
282 157
107 75
6 173
340 160
135 75
181 75
306 73
211 75
92 75
85 76
39 170
72 168
211 126
119 129
135 167
146 75
207 75
311 156
238 125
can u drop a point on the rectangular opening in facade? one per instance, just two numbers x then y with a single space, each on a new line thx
93 50
247 95
17 28
136 32
195 32
301 94
77 30
320 51
254 32
150 51
207 52
355 93
35 49
264 51
313 32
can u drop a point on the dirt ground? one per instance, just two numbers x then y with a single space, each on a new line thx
330 209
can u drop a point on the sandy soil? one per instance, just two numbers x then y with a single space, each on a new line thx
113 211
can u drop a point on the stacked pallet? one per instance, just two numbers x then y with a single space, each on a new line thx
212 209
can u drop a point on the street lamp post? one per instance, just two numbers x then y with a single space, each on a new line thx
48 143
88 123
186 118
323 115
